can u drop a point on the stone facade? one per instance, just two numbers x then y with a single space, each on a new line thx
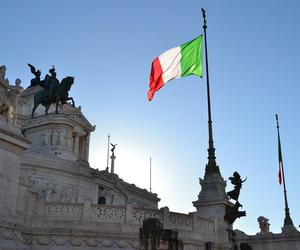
287 240
51 199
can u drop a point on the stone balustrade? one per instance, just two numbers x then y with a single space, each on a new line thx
105 213
180 221
126 215
139 214
64 210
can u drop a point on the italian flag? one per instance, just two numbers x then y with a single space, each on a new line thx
183 60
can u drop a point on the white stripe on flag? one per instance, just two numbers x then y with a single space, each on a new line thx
170 63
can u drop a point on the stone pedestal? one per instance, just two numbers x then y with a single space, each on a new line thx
57 135
112 168
64 135
211 204
12 144
289 229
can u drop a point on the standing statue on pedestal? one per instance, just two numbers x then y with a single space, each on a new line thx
237 181
8 97
113 147
53 92
264 225
232 212
3 78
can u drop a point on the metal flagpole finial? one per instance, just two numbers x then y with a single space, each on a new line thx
204 18
150 174
107 160
277 120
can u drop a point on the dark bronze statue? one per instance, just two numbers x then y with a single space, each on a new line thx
237 182
55 92
37 80
51 82
113 147
232 211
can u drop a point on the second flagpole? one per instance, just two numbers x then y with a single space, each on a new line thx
288 223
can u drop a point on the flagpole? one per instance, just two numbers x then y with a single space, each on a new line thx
211 167
107 160
150 175
287 220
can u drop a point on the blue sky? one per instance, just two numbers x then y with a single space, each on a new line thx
108 46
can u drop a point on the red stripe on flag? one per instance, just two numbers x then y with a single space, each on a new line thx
156 80
279 174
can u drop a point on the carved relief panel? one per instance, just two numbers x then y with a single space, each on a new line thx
53 191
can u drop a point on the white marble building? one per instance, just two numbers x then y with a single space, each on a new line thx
50 197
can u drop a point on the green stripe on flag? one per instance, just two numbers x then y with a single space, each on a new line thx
191 57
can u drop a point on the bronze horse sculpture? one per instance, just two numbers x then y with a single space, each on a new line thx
60 94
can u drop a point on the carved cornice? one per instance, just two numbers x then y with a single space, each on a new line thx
123 186
56 119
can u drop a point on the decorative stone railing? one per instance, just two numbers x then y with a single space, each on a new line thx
180 221
126 215
139 214
106 213
64 210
